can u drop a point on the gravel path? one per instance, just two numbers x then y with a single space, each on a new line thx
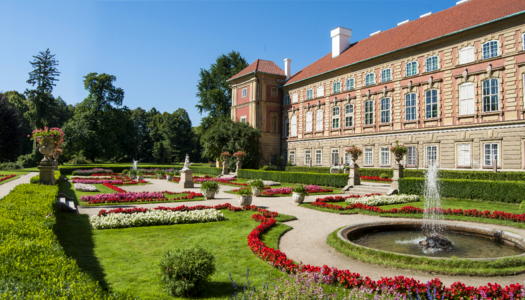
306 243
7 187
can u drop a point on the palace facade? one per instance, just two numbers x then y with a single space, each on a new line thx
449 85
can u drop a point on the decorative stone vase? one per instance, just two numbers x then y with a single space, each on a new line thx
209 195
169 177
245 200
256 192
398 157
354 157
297 198
47 149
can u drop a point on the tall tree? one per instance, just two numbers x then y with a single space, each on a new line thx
21 104
177 132
214 92
10 134
43 78
143 141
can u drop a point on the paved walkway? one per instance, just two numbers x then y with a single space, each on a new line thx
7 187
306 243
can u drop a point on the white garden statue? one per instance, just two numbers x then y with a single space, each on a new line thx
186 163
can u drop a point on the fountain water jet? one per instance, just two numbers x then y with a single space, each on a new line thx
433 226
135 164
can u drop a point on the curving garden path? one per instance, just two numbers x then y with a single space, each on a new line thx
7 187
306 242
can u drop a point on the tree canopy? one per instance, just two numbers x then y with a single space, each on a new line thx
10 126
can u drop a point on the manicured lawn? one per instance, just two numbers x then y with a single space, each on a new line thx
127 259
15 172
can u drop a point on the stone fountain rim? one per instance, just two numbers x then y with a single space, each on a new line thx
513 238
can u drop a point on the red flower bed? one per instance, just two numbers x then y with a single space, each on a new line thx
190 196
115 188
178 208
375 178
348 279
127 200
6 177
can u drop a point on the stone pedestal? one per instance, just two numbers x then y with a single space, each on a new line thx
47 173
186 179
238 166
225 169
353 177
398 173
218 163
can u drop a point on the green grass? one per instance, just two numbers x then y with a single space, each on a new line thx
127 259
15 172
500 267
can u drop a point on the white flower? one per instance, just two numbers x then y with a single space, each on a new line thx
85 187
383 199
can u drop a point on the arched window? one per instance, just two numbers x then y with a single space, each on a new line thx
337 87
319 120
370 79
293 126
431 104
432 64
336 116
490 95
309 94
411 68
385 110
386 75
466 55
466 99
320 91
350 84
349 115
369 112
490 49
308 121
410 107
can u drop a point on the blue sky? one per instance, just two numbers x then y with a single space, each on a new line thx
156 48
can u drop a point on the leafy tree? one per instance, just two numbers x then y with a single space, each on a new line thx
10 134
143 141
177 132
227 135
44 75
21 104
63 112
214 92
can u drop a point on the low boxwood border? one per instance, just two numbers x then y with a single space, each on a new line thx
333 180
500 267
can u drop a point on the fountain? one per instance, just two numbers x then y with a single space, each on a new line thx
433 227
135 162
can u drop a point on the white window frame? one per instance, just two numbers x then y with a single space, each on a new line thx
243 119
320 91
309 94
307 157
429 66
385 108
349 115
293 126
292 157
487 51
385 156
411 156
463 156
244 92
369 115
336 87
286 127
369 156
491 155
432 153
383 75
335 157
466 55
318 157
350 84
309 119
411 107
286 99
369 81
336 117
408 67
467 99
295 98
489 94
431 104
319 114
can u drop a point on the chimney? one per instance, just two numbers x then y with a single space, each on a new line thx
340 40
287 65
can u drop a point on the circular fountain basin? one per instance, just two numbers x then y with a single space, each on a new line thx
402 238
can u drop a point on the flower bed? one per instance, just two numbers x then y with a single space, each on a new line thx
115 188
374 178
177 208
6 177
222 180
123 197
288 190
433 289
191 195
95 181
155 217
376 200
85 187
92 171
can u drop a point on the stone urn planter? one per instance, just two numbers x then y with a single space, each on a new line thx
256 192
354 157
398 157
298 198
209 195
47 149
141 177
169 177
245 200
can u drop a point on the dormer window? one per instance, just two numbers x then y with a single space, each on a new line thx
337 87
490 49
432 64
386 75
370 79
350 84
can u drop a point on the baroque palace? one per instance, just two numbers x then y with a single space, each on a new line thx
449 85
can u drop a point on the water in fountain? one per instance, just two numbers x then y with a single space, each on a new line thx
433 225
135 164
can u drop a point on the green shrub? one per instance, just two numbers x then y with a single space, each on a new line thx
118 168
210 186
79 160
244 192
36 179
269 168
334 180
184 272
300 189
383 175
490 190
125 172
257 184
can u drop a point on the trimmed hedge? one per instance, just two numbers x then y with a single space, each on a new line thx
33 265
206 170
36 179
334 180
490 190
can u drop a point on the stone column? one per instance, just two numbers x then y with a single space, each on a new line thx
398 173
225 168
353 175
186 179
55 162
